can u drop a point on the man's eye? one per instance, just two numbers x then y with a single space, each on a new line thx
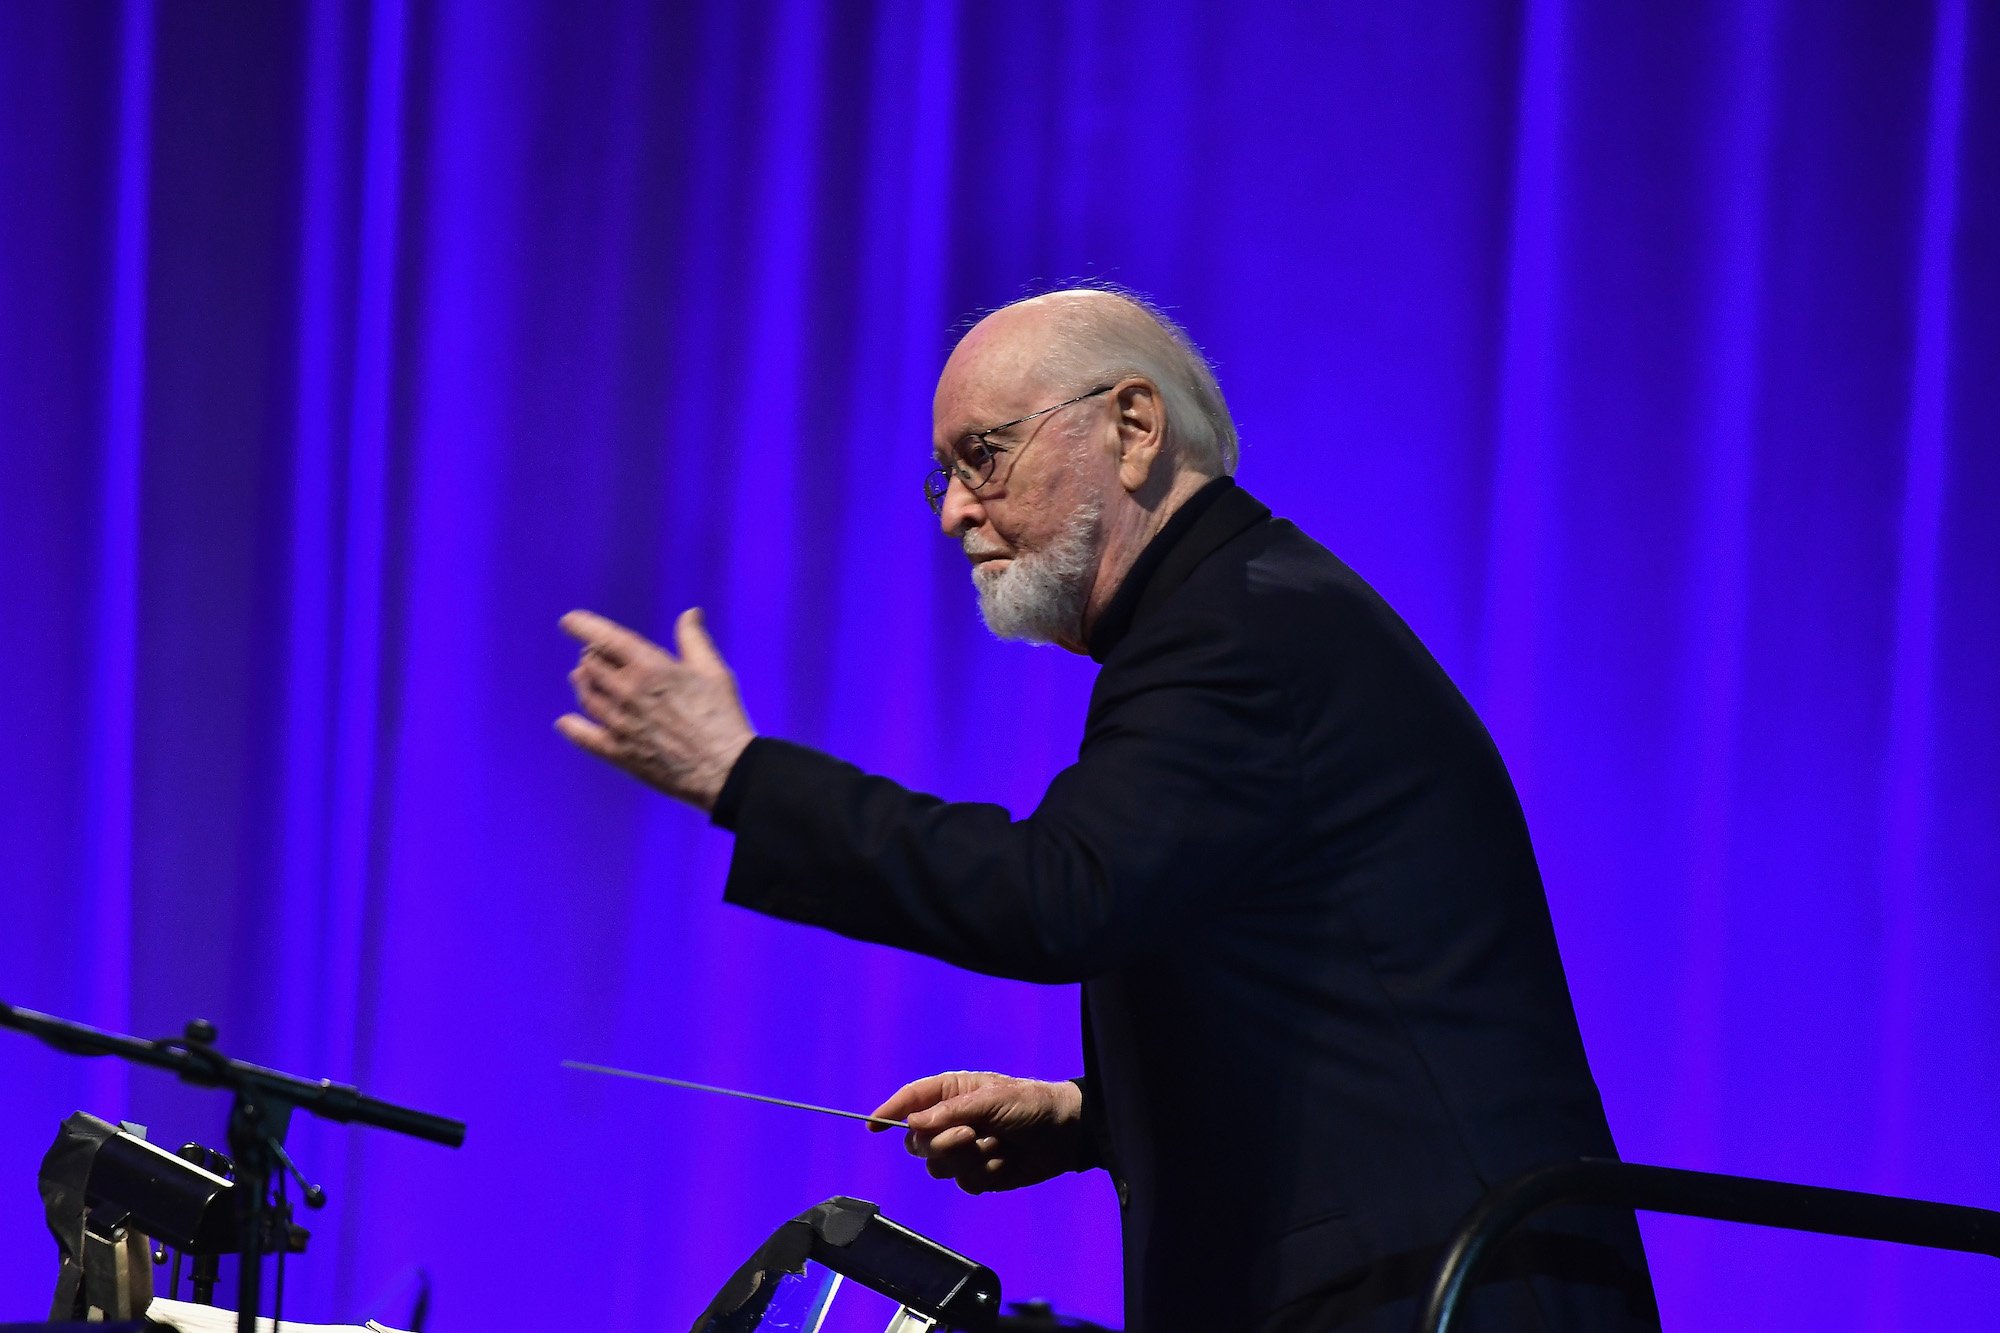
979 453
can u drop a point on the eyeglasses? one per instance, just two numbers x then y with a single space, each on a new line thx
977 454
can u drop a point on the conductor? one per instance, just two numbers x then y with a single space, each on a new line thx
1287 867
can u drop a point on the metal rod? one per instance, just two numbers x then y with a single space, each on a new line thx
1664 1189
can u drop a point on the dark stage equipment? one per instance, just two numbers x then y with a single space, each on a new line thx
106 1192
934 1287
260 1114
1662 1189
793 1278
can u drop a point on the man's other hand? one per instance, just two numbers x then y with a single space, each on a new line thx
989 1131
674 723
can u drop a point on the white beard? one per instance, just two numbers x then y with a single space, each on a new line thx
1040 597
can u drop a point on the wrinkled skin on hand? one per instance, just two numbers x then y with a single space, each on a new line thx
675 723
989 1131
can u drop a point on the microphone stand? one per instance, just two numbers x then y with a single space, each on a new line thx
258 1118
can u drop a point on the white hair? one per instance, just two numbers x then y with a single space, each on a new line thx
1109 333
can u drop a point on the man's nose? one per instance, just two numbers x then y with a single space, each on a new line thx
961 510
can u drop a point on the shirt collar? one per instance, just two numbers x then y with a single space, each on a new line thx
1205 520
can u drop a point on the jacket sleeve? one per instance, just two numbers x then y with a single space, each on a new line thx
1184 788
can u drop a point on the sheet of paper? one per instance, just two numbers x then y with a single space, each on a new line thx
192 1318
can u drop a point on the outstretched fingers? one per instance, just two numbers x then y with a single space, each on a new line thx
587 735
608 639
696 648
675 723
590 679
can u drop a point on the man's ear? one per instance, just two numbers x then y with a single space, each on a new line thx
1142 431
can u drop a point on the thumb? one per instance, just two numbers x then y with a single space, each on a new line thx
696 649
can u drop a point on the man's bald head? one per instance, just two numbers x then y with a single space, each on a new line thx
1053 531
1066 340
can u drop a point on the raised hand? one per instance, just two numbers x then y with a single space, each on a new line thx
989 1131
675 723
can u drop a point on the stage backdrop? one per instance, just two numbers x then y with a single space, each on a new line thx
1648 358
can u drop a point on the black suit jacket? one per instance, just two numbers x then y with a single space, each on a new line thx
1324 1008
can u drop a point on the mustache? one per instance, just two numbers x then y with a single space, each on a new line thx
975 548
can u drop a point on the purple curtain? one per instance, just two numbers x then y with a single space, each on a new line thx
1648 358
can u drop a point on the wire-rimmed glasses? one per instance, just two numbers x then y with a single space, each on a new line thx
977 454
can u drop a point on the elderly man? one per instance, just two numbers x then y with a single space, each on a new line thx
1323 1006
